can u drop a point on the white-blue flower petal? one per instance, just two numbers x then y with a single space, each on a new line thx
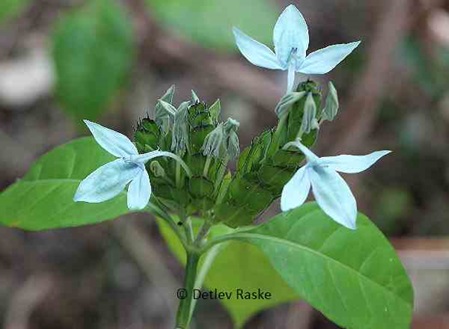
106 182
310 156
145 157
256 52
297 189
139 191
334 196
290 32
291 77
324 60
352 164
112 141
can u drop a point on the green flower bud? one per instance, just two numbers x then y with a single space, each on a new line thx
157 169
213 143
231 138
180 134
195 98
286 102
331 108
215 110
147 136
233 145
231 125
309 121
162 116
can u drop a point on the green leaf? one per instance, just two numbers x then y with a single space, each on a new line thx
93 51
353 277
43 199
210 22
11 8
237 265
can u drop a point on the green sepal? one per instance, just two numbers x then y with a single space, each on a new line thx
147 136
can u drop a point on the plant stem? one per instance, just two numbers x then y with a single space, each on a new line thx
184 313
207 165
221 173
274 146
156 210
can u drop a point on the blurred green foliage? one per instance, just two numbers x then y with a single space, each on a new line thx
93 51
392 208
210 22
11 8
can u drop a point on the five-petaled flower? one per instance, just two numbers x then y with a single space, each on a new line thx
110 179
330 190
291 40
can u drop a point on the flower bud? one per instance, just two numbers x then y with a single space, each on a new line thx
232 139
147 135
163 117
157 169
331 108
180 133
231 125
215 110
213 143
309 121
233 146
286 102
195 98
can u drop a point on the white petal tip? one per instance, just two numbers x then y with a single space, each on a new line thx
352 226
137 207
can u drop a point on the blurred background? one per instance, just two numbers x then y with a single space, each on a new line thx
109 60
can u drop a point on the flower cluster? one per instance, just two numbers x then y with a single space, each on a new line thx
191 135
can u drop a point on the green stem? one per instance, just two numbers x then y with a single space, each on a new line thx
207 165
274 146
184 313
221 173
204 230
178 175
168 219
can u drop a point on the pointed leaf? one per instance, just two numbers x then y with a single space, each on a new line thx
354 278
43 199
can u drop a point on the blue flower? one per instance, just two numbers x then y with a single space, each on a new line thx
110 179
330 190
291 40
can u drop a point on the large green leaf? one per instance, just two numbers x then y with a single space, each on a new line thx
353 277
43 199
93 51
210 22
10 8
238 265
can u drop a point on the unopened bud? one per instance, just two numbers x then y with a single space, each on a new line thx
157 169
233 146
180 134
215 110
309 117
287 101
213 143
195 98
161 116
231 125
331 108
